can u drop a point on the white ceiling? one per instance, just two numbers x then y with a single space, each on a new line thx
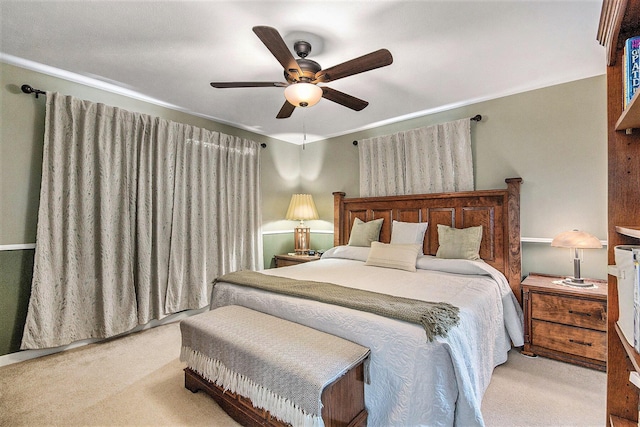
446 53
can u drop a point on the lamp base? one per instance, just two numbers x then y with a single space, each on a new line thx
301 240
579 283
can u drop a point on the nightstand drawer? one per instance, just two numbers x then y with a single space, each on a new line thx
570 311
569 339
286 263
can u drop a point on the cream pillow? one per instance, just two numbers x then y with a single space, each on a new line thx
363 233
459 243
405 233
402 257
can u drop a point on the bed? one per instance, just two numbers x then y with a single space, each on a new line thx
413 380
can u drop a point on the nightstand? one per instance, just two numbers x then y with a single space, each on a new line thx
286 260
564 322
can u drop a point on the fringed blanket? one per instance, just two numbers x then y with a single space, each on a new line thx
280 365
435 317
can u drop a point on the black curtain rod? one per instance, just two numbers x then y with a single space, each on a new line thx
28 89
475 118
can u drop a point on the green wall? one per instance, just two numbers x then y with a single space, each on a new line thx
16 268
554 138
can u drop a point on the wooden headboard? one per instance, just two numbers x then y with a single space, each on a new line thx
498 211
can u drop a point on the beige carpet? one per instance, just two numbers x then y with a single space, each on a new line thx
138 380
134 380
542 392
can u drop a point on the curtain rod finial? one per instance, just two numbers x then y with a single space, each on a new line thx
29 90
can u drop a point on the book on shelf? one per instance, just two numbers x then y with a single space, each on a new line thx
630 69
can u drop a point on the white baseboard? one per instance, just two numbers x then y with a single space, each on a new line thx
17 247
21 356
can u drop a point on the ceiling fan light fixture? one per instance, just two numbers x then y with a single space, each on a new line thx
303 94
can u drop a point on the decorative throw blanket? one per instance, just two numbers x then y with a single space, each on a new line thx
435 317
280 365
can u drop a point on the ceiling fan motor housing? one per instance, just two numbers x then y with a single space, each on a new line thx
309 69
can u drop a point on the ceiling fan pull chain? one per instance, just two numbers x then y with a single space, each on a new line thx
304 127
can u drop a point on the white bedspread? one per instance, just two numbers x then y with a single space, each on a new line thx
413 382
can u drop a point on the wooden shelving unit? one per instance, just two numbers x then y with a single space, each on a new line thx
619 20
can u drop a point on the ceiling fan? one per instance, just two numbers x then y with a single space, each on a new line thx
302 75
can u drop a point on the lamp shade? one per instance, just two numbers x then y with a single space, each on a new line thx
576 239
303 94
302 208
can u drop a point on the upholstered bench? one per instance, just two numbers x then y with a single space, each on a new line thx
263 370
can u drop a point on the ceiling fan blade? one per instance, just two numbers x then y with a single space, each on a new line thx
286 110
343 99
224 85
370 61
275 43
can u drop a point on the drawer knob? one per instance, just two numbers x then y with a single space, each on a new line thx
580 313
588 344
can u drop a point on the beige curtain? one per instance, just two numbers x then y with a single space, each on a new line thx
227 240
430 159
382 166
137 216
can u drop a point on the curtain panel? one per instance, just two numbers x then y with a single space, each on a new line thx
137 217
430 159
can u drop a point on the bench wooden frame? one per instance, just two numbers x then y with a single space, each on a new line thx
343 401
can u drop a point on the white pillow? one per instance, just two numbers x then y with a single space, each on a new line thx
406 233
358 253
401 257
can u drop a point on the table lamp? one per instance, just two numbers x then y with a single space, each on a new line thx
577 241
301 208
